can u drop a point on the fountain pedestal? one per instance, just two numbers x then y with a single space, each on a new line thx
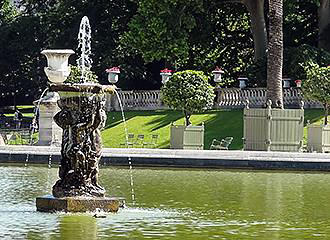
81 117
49 132
78 204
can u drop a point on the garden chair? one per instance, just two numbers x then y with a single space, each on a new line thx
25 138
2 140
153 142
13 138
130 141
221 145
140 140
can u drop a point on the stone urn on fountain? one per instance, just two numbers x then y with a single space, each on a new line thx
81 117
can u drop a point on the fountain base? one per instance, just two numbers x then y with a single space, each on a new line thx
50 203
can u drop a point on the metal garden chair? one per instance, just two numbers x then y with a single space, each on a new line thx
139 140
223 144
153 141
130 141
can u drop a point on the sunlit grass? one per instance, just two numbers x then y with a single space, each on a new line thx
218 124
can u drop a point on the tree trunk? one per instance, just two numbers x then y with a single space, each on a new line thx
324 25
275 54
258 27
326 112
187 117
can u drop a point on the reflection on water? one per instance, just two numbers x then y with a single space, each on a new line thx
174 204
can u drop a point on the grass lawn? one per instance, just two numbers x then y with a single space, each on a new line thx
218 124
27 111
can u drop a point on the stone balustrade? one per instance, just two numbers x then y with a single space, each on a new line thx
226 98
137 100
237 98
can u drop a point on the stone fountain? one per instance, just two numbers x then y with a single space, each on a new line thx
81 117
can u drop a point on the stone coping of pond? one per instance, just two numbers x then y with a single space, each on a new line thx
144 157
87 88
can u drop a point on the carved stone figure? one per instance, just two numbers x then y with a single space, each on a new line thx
81 119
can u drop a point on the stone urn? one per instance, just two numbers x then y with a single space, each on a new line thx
217 72
57 72
113 74
166 75
242 82
298 83
286 82
58 68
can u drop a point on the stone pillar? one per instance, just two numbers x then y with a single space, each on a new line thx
112 103
49 133
2 141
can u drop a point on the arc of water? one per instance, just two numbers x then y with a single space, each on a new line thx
33 128
129 158
35 113
84 62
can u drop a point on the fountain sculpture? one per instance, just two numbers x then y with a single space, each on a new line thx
81 117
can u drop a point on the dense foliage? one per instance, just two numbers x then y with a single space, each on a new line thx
142 37
188 91
75 76
316 85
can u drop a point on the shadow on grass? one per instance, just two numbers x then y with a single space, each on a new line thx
164 144
225 123
313 115
116 118
165 119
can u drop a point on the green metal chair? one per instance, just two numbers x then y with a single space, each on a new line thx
223 144
153 141
139 140
25 137
130 141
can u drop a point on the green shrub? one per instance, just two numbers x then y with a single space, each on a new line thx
75 76
188 91
316 85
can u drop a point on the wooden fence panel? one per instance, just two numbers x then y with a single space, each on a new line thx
193 137
273 129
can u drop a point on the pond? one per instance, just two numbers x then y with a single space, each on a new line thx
174 204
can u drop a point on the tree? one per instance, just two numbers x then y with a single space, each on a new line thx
316 86
198 34
324 24
8 12
188 91
160 30
258 27
299 58
275 53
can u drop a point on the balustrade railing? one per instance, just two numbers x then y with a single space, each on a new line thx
237 98
138 100
226 98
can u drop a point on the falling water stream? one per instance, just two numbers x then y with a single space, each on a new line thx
34 120
129 158
84 62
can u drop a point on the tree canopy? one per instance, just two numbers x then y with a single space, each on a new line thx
316 85
144 36
188 91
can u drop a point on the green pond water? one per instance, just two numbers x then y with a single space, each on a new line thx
174 204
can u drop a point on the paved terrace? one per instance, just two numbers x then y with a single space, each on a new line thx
177 158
